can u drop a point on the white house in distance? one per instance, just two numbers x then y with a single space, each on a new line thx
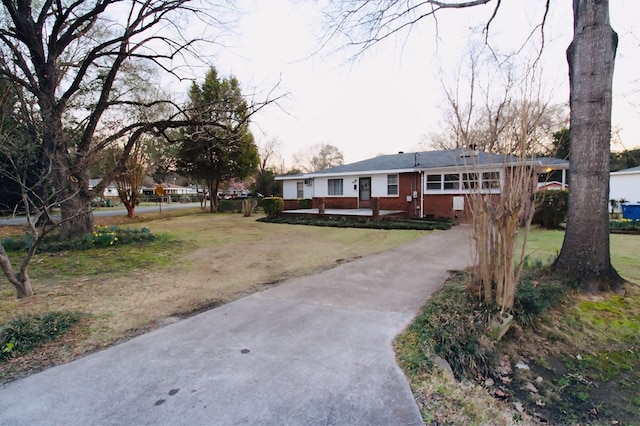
625 184
110 192
426 184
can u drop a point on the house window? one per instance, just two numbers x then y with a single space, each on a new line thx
335 186
392 184
470 180
490 180
300 189
452 181
434 182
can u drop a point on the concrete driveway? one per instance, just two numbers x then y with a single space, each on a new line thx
313 351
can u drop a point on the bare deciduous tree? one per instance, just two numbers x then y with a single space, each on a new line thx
487 106
318 157
130 180
269 152
503 113
71 58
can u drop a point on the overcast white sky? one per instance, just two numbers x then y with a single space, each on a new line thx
388 99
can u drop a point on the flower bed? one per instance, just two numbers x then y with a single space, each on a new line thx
624 226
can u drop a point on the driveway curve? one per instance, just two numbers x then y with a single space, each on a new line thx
313 351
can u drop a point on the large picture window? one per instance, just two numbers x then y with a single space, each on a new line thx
335 187
392 184
463 181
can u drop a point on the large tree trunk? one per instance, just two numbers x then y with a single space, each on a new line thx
585 250
75 209
69 172
131 210
213 195
77 217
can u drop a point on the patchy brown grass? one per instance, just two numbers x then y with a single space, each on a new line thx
207 260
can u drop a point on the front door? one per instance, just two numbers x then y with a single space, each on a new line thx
365 192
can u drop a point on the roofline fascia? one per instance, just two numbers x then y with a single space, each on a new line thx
455 168
623 173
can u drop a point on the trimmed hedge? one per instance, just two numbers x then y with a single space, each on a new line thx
304 203
272 206
342 222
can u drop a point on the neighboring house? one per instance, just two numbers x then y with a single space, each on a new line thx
552 185
110 192
625 184
426 184
171 189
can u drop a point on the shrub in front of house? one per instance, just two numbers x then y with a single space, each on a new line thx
230 206
272 206
551 208
304 203
624 225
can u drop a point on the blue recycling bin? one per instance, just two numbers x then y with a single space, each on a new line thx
631 211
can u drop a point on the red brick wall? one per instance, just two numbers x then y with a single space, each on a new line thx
337 203
442 206
291 205
408 182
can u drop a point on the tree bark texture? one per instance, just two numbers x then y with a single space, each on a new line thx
75 207
585 251
20 281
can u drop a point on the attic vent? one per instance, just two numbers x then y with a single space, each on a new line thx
468 153
308 182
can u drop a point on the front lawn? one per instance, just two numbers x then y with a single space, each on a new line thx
570 358
198 261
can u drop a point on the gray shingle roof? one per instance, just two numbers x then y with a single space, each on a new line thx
426 160
414 160
430 160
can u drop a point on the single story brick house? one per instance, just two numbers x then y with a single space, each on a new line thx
428 184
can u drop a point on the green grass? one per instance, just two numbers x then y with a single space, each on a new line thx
545 245
116 260
595 339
